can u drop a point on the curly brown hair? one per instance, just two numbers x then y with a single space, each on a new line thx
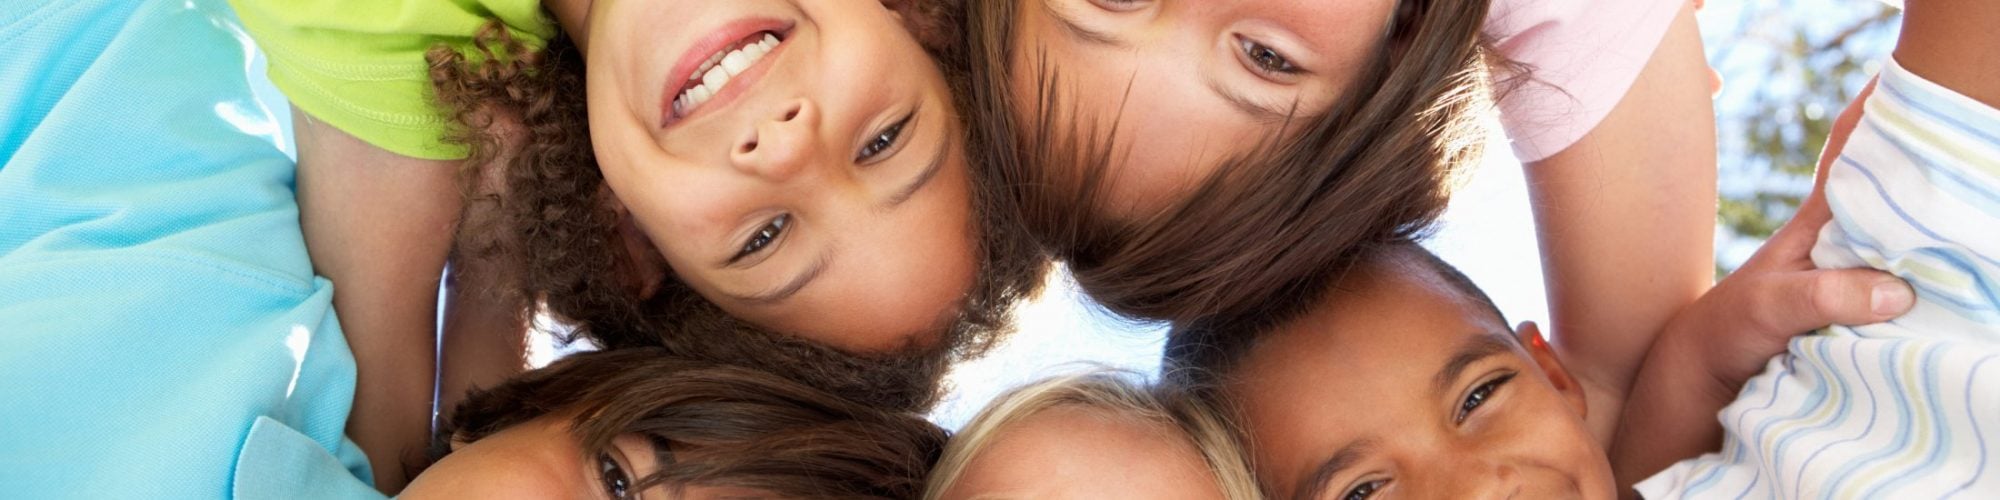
714 425
540 207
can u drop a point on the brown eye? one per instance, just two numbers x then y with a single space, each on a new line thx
1363 491
763 237
1266 59
1479 395
883 140
616 482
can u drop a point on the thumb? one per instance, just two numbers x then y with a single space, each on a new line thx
1809 300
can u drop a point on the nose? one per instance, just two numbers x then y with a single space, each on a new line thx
781 143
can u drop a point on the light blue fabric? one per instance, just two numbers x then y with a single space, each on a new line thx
162 334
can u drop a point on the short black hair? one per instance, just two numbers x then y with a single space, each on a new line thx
1199 352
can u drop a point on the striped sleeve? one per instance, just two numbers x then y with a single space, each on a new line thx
1907 408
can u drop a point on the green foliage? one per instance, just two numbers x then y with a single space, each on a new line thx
1788 71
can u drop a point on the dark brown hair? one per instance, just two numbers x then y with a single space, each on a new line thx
1199 354
554 228
715 425
1255 239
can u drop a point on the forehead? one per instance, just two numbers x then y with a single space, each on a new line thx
1084 453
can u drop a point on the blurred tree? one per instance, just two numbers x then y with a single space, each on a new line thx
1788 68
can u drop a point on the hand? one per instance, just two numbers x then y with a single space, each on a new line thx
1751 315
1711 347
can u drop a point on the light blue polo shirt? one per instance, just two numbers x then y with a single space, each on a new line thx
162 334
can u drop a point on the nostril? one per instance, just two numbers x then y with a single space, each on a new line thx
748 147
791 114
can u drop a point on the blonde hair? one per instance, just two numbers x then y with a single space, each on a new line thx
1210 431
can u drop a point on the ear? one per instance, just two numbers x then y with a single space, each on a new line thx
929 21
1552 366
646 268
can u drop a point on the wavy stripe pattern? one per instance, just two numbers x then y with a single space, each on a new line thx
1908 408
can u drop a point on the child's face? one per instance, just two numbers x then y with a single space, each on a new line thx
1396 387
821 190
540 458
1074 453
1215 77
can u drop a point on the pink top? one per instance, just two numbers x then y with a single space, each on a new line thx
1582 54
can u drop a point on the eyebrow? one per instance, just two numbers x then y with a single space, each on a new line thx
1078 30
1322 478
1473 349
792 287
1260 112
923 178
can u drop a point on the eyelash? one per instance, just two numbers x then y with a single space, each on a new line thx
1267 60
615 481
884 140
763 237
1363 490
1480 395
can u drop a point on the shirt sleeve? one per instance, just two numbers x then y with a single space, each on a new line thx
1579 58
359 64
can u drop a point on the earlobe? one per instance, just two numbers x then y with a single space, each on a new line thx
1545 358
647 269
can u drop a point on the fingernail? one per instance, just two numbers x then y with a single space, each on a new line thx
1891 298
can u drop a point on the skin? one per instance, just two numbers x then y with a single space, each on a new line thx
1393 412
1205 97
541 459
1948 42
878 248
1077 453
379 225
1640 186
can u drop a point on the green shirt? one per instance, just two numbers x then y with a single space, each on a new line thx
359 64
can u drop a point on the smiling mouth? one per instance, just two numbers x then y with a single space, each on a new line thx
712 76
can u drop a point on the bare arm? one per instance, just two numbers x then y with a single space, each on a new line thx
379 225
1626 220
1953 43
1698 365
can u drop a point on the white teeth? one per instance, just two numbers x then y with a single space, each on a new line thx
737 62
711 76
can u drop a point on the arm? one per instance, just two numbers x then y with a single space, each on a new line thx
484 337
379 226
1717 344
1626 220
1709 352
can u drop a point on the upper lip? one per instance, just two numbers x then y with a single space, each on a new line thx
719 40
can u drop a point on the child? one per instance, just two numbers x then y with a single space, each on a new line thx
1191 159
1404 379
165 336
1092 435
1886 410
636 423
787 176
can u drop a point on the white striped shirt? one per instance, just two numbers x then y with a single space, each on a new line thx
1904 409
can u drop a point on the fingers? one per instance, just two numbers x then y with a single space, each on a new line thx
1807 300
